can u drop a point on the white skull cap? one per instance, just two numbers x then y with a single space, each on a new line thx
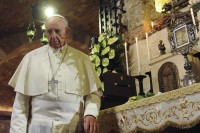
55 15
58 15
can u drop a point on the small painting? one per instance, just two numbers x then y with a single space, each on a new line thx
181 36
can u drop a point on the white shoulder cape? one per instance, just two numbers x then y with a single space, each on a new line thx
31 76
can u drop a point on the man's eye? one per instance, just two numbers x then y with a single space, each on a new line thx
57 31
49 31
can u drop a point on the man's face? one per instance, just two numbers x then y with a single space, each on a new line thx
56 31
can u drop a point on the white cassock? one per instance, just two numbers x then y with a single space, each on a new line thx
41 108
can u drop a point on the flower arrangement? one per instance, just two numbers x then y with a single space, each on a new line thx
107 54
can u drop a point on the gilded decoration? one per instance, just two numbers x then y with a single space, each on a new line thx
179 108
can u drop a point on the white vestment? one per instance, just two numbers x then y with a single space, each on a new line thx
39 108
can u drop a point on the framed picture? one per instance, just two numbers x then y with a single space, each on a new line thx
181 37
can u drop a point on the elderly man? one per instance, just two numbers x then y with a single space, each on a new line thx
56 87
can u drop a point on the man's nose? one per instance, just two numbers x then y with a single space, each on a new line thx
53 34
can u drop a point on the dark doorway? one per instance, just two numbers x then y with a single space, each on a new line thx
168 77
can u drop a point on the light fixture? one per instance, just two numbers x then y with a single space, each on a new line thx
44 39
31 31
49 11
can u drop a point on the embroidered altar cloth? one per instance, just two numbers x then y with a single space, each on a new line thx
178 108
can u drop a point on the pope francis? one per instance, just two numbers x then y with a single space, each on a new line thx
56 87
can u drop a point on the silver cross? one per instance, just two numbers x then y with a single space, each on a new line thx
53 83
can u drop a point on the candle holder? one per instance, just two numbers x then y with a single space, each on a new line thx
150 78
182 36
140 80
190 77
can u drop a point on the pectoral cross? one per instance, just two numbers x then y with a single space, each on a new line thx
53 83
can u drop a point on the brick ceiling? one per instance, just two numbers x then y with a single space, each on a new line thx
16 14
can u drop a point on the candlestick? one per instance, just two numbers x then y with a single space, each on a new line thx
126 55
192 14
137 50
150 79
147 42
140 80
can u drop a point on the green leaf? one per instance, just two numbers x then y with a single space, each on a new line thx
105 70
96 48
111 54
105 50
92 57
105 62
107 54
98 71
138 97
114 71
104 43
101 37
92 51
97 61
112 40
133 98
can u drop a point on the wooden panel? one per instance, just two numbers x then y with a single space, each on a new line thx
117 89
116 84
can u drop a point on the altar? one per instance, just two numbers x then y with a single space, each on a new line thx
178 108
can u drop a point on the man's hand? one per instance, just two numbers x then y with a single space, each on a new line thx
90 124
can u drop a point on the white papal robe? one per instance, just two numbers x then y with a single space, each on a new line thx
39 108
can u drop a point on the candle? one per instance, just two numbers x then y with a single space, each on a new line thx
152 24
147 42
126 55
137 50
192 14
194 22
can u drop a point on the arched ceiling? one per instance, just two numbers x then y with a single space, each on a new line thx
16 15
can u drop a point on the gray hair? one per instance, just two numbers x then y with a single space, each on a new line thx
60 16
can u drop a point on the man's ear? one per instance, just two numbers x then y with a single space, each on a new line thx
67 31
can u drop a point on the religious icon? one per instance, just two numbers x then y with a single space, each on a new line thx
181 36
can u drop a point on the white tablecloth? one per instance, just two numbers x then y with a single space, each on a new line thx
179 108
